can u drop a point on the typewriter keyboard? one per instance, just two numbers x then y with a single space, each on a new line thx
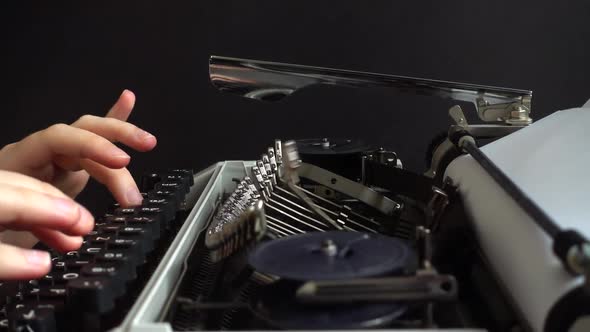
91 289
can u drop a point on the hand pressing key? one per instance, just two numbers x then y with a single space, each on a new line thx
66 155
61 159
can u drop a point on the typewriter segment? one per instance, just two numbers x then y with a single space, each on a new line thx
317 234
301 243
92 289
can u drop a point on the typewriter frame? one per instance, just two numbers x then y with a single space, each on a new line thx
502 110
148 312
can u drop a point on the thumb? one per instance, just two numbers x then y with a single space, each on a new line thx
22 264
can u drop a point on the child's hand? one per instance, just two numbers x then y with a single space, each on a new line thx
27 204
66 155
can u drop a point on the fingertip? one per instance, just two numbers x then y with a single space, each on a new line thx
86 223
38 264
123 107
133 197
128 93
73 243
147 141
128 97
37 258
58 240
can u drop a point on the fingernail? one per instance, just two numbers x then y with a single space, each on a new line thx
37 257
134 196
118 153
144 135
65 207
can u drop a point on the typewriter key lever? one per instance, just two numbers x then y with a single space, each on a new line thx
271 81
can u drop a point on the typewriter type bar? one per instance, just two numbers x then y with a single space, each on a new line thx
272 81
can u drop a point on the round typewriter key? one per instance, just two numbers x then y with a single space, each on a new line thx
125 211
167 206
185 173
91 294
99 240
32 318
109 230
168 188
88 252
75 264
140 234
57 292
125 261
108 271
148 181
179 179
152 223
127 245
47 280
116 220
172 196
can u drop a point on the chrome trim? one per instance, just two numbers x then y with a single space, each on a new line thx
272 81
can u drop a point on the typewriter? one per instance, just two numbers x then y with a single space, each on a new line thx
334 234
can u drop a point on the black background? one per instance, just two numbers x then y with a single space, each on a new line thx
61 60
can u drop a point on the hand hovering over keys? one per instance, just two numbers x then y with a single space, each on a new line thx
66 155
42 174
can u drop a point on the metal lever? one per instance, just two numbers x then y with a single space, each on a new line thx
272 81
415 288
349 187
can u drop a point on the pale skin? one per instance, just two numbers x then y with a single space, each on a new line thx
42 174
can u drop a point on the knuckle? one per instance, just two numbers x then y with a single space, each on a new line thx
8 147
21 197
54 129
86 119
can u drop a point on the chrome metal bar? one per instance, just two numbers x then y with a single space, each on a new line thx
271 81
296 212
283 229
309 193
272 228
294 218
349 220
277 221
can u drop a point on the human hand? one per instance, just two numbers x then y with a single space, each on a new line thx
27 204
66 155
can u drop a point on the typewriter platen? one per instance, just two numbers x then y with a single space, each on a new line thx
334 234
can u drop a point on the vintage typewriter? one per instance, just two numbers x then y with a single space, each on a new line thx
334 234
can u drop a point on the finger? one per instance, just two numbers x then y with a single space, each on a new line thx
19 239
28 185
123 107
71 183
21 180
58 240
71 142
22 264
28 209
117 131
118 181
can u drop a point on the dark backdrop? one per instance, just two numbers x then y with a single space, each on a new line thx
65 59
